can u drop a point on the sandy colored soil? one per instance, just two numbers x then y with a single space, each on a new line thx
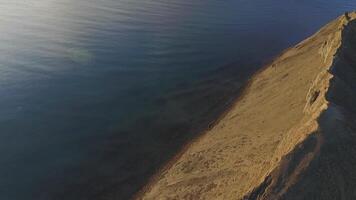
292 135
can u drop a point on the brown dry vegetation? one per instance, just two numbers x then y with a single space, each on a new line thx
291 136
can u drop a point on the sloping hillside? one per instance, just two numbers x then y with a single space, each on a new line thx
292 135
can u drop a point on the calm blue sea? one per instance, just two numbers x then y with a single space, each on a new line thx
96 94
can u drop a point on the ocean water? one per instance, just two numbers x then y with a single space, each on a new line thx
97 94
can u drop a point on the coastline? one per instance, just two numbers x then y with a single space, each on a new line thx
188 144
198 136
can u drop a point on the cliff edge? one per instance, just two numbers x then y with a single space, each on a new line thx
291 135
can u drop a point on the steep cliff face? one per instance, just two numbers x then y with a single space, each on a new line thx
323 166
292 135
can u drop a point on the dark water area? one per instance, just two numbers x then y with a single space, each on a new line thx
96 95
